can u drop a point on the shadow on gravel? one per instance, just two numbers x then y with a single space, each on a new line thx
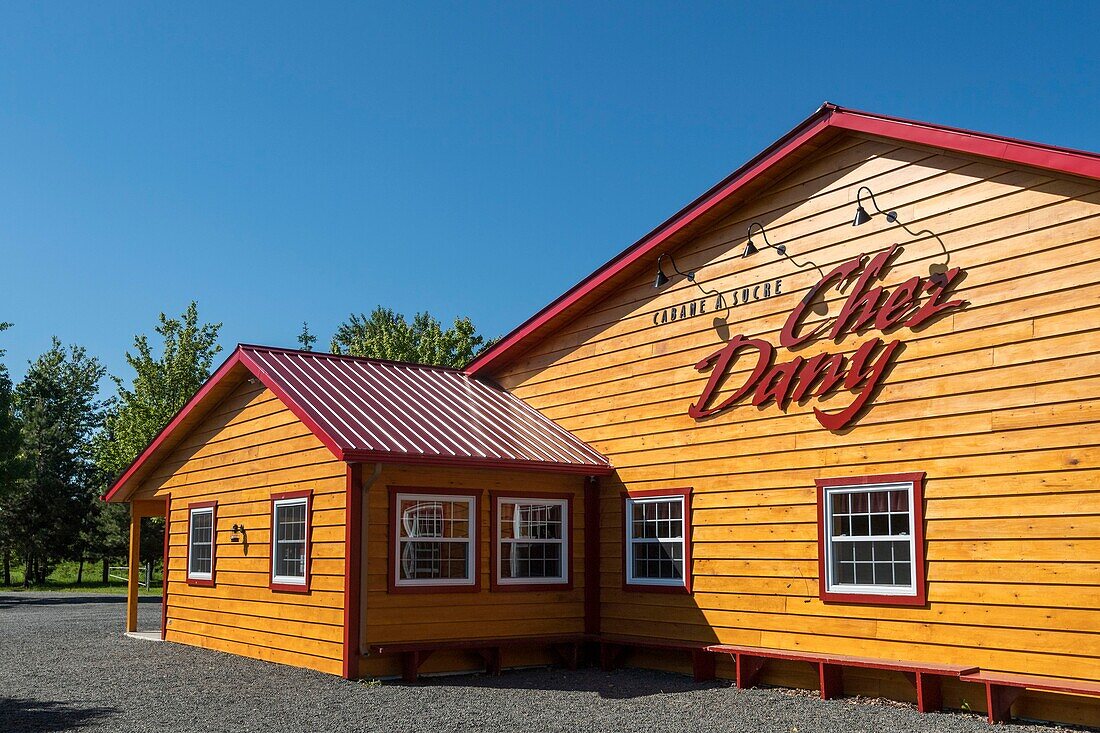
19 599
41 716
619 685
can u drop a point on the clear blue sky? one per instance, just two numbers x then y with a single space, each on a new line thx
286 163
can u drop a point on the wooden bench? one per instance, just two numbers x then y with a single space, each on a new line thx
1001 690
414 654
924 677
612 647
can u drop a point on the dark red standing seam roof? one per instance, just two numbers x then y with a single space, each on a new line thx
373 410
829 120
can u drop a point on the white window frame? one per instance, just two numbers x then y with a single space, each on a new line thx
471 541
275 506
631 541
193 574
831 586
560 579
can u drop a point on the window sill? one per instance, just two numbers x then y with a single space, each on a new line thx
556 586
289 587
201 582
647 588
874 599
394 588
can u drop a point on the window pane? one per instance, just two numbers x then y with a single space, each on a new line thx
880 524
426 560
856 517
201 545
290 540
530 560
658 560
290 559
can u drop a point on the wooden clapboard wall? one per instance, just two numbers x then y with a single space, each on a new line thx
390 617
247 448
997 403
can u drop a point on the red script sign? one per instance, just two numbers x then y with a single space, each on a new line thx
911 304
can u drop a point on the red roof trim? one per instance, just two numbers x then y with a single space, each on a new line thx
582 469
244 356
1037 155
186 410
256 368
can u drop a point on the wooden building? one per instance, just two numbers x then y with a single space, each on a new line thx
848 441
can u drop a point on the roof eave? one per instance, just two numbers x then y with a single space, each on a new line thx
583 469
829 117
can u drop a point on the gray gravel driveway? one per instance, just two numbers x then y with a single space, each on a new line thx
65 665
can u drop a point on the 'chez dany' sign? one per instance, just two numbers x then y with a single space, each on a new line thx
911 304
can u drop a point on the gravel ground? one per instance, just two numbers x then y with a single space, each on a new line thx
65 665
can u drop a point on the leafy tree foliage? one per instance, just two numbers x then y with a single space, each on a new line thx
50 502
9 464
306 339
387 335
161 386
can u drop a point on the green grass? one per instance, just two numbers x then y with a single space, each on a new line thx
63 578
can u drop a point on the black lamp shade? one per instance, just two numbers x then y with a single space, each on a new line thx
661 279
862 217
750 249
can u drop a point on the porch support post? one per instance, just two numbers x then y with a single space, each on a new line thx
134 574
353 557
592 555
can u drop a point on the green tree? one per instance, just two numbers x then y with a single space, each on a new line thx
387 335
59 412
9 464
306 339
162 384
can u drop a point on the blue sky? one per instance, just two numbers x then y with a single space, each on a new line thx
281 163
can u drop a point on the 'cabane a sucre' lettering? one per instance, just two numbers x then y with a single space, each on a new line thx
910 304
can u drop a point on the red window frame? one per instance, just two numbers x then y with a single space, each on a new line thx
213 507
686 587
917 527
306 494
494 542
475 547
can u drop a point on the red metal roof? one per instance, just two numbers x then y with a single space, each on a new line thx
824 124
373 410
368 410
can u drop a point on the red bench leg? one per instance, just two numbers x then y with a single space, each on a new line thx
570 655
748 669
832 684
702 665
410 664
491 655
929 692
998 701
609 655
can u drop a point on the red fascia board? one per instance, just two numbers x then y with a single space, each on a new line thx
1062 160
741 178
271 383
1011 150
192 404
583 469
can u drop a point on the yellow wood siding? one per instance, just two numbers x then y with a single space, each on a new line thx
248 448
399 617
996 402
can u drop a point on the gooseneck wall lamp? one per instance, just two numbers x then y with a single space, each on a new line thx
662 279
937 269
862 215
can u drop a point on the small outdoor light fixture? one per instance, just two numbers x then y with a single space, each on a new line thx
936 270
751 249
662 279
238 533
862 216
